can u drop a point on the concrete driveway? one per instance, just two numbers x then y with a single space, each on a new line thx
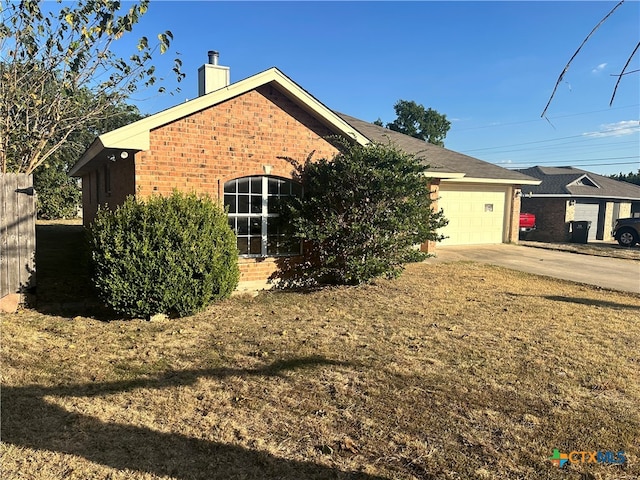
606 272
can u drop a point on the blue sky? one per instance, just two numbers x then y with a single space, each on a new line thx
489 66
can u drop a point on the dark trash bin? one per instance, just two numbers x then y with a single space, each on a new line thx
580 231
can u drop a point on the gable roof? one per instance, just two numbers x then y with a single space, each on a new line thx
574 182
445 164
135 136
442 163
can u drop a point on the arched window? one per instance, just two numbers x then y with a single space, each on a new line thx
253 215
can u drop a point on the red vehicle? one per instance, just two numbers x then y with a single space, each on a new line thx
527 223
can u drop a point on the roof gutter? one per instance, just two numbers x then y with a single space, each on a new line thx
568 195
499 181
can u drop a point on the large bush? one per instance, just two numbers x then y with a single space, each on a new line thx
362 214
172 255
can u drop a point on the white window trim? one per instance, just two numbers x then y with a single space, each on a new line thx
264 215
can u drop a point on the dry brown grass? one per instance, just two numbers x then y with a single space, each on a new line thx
598 249
452 371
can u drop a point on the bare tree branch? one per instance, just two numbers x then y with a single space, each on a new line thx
623 73
566 68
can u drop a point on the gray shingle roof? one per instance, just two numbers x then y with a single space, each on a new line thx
561 181
438 158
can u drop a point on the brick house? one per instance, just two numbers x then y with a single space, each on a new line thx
568 194
230 143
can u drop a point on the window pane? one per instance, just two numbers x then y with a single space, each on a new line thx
256 185
272 246
243 203
256 226
230 201
230 186
232 224
256 204
272 226
256 246
296 189
243 246
273 186
272 205
243 226
243 185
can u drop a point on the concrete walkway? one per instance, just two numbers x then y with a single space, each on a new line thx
612 273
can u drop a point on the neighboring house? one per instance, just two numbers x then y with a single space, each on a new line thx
232 143
569 194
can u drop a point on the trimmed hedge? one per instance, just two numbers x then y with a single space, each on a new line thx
172 255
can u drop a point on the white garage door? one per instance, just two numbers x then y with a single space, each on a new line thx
588 211
476 214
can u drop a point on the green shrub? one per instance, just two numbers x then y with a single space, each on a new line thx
362 215
172 255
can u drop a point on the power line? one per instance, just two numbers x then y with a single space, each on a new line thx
564 161
568 145
582 135
510 167
588 159
540 120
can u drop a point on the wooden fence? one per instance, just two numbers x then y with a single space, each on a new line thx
17 233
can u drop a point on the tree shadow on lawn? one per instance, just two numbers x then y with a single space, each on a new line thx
28 420
581 301
589 301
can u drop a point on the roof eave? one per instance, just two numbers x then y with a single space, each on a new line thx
90 153
135 136
568 195
442 175
502 181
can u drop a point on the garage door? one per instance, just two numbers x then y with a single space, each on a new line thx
476 214
588 211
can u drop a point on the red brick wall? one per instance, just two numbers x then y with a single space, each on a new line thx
551 218
233 139
108 185
430 246
514 215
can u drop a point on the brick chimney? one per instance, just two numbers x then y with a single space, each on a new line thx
212 76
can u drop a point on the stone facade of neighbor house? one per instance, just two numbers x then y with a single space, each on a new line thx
233 142
568 194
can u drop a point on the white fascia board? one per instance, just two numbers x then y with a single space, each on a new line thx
316 106
135 136
547 195
499 181
442 175
94 149
578 197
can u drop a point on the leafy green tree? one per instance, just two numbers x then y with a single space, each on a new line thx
58 195
362 214
49 60
629 177
414 120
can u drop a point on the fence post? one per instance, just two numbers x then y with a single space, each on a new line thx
17 238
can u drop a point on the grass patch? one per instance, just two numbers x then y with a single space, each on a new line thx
610 249
451 371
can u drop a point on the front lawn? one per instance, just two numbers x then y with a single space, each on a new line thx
453 371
